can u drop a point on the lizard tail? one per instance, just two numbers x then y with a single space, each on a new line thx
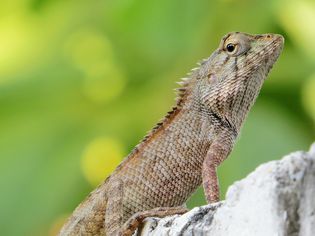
89 217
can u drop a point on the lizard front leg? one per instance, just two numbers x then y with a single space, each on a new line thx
132 224
217 153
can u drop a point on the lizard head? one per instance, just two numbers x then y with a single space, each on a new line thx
228 82
243 54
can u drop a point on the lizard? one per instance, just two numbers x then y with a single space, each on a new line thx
185 148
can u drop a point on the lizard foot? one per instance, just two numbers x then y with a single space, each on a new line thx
132 224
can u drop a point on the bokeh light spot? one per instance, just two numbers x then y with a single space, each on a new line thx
19 35
103 83
100 158
308 96
298 19
87 47
91 52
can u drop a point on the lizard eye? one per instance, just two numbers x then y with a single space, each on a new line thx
235 44
230 47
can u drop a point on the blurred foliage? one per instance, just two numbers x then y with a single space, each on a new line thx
82 81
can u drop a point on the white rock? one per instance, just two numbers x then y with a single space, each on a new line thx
278 199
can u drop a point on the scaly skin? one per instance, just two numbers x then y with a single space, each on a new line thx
183 150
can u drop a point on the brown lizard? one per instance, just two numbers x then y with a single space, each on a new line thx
186 147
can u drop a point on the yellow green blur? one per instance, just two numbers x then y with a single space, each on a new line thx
81 82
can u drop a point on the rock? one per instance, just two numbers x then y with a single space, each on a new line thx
278 198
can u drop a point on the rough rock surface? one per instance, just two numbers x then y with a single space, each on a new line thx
278 198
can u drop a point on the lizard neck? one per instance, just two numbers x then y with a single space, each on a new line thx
243 98
226 105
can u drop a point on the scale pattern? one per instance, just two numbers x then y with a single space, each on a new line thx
184 150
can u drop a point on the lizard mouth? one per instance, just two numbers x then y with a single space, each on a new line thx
263 55
273 50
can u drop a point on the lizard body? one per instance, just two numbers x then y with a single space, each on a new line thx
185 148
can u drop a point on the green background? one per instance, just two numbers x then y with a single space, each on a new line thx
81 82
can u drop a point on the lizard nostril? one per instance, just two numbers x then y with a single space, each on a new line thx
268 36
